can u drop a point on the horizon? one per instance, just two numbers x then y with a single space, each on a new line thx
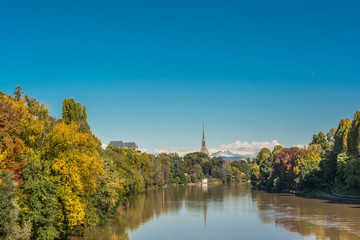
257 74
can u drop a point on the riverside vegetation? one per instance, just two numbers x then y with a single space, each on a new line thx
57 181
329 163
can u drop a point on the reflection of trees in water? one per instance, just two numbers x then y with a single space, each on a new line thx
138 210
199 197
308 217
143 207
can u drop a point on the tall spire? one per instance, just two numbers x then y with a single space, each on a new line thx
203 145
203 139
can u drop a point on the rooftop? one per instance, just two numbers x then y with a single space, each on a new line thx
121 144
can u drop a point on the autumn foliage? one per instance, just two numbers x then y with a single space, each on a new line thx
56 180
284 164
14 120
59 178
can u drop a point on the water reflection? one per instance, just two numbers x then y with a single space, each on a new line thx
229 210
309 217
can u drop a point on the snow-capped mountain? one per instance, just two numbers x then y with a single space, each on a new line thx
228 155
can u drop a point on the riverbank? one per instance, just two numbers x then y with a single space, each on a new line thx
336 198
332 197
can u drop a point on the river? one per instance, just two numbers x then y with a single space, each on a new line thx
228 212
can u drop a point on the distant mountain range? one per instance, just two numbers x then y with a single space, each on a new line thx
230 156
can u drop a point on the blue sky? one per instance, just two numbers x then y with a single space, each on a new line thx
152 71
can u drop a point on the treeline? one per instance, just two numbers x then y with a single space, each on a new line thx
56 180
330 162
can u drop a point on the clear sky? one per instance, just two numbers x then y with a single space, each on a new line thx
152 71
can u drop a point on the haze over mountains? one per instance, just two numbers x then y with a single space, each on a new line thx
229 155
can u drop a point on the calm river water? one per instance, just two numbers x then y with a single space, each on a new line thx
228 212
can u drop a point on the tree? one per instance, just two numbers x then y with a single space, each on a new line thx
196 158
226 172
255 173
9 210
342 161
16 125
76 165
306 168
18 93
321 140
262 155
206 167
40 203
352 173
195 172
341 136
243 166
215 172
157 176
330 136
266 170
177 168
165 167
354 135
75 112
283 166
277 149
340 146
238 175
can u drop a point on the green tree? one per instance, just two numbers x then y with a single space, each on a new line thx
215 172
40 202
342 161
307 169
75 112
352 173
196 173
354 135
157 175
262 155
9 210
340 146
177 168
255 173
196 158
266 170
341 136
243 166
321 140
165 160
277 149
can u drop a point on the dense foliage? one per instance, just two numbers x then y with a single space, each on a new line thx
56 180
329 162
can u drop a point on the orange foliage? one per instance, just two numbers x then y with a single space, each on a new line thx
13 115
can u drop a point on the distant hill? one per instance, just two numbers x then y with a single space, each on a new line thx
230 156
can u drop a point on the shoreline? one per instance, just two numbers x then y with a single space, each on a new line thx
331 197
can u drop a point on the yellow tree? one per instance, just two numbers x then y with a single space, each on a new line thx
76 167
